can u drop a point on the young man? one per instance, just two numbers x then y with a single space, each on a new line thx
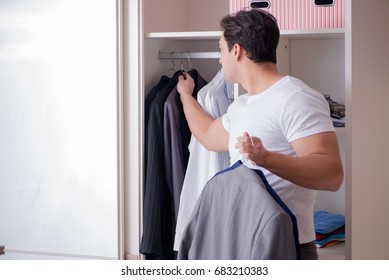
280 126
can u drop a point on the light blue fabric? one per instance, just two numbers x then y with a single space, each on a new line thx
326 222
216 96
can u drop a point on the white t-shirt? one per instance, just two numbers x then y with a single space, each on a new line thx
287 111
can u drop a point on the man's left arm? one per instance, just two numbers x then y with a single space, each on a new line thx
317 164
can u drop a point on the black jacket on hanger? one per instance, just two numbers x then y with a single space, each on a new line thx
148 101
177 137
158 206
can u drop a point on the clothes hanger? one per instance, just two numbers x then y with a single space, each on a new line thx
173 66
182 64
189 62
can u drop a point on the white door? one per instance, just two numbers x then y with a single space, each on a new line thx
59 129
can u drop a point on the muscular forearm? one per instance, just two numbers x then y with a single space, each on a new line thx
315 171
198 120
316 165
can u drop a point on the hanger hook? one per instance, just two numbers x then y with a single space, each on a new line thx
172 61
182 64
189 61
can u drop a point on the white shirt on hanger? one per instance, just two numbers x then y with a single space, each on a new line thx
215 98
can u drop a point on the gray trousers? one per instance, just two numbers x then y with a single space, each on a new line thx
308 251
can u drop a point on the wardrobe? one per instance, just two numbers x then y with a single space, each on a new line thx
136 40
348 62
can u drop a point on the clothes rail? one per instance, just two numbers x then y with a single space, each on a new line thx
188 55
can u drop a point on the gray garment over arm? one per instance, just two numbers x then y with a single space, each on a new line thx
236 217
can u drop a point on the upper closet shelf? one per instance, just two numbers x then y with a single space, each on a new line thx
213 35
192 35
314 33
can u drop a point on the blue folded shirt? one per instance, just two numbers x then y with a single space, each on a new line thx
326 222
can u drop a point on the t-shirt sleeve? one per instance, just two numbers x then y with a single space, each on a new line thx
226 122
305 114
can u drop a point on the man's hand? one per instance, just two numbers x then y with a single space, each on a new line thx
185 85
251 148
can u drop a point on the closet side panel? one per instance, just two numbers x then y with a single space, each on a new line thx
133 112
368 180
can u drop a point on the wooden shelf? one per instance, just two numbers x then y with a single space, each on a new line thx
193 35
334 252
213 35
314 34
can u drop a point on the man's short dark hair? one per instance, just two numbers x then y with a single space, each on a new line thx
256 31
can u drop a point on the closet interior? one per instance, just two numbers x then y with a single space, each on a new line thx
184 34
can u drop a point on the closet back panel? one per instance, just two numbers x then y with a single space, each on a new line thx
205 15
321 64
183 15
164 15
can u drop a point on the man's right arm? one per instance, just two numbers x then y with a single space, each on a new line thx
208 131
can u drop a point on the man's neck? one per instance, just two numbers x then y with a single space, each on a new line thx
260 77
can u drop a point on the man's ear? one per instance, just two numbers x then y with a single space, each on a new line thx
237 51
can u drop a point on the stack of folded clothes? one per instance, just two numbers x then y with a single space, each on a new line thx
329 228
337 110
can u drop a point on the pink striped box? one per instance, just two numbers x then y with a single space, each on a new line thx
300 14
